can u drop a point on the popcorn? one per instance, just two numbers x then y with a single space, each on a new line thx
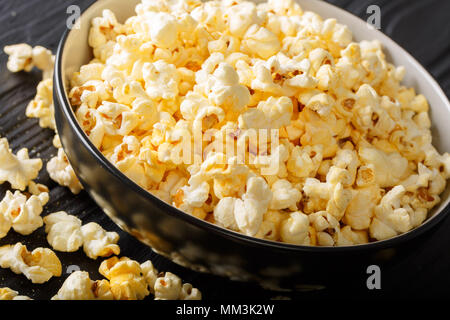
41 106
270 114
284 196
150 274
78 286
295 229
224 213
97 242
165 34
38 266
43 60
9 294
125 278
304 161
249 211
5 222
393 216
359 212
196 193
161 80
190 293
330 196
24 57
241 17
347 237
18 169
213 74
63 231
321 103
37 188
60 171
260 42
225 90
20 213
20 57
389 169
168 287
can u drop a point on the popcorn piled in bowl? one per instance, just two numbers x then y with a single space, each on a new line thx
261 118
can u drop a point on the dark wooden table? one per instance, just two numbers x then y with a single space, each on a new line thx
421 26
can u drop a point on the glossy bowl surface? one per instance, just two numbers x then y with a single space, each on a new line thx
206 247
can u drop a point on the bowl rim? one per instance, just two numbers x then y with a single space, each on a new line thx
65 107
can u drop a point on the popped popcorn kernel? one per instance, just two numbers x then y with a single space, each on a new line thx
125 278
78 286
97 242
38 266
60 171
17 169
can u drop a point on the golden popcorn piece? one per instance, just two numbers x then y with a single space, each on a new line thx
38 266
125 277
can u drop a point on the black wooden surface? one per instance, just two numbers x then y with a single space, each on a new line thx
421 26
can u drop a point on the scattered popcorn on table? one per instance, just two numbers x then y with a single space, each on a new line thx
38 266
349 132
97 242
78 286
129 280
18 169
65 233
9 294
126 280
24 57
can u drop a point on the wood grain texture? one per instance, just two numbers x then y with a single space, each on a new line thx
421 27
